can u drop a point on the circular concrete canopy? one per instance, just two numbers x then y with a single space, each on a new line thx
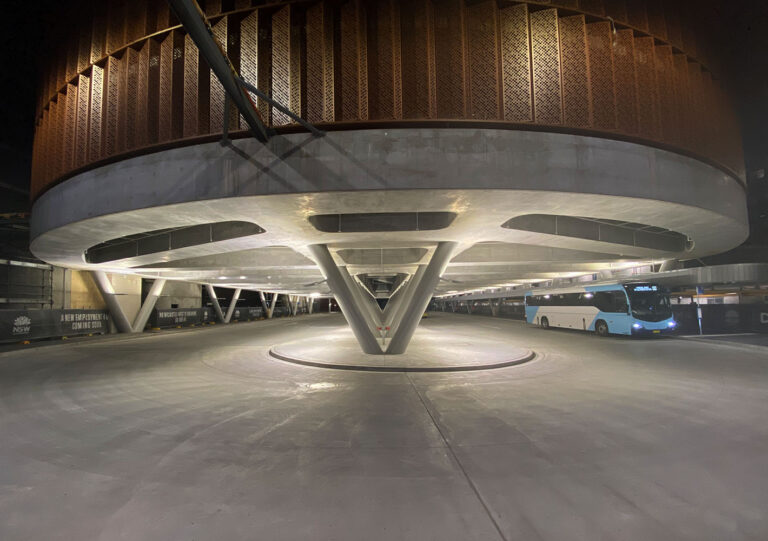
484 176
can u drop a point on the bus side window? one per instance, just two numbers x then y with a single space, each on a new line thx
604 301
620 302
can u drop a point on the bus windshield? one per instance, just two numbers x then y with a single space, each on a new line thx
650 305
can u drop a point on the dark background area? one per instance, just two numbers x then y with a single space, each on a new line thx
739 31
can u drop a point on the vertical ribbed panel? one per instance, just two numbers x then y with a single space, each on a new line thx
695 98
668 113
592 6
625 81
153 90
450 47
52 146
99 32
191 66
115 27
681 103
249 53
281 62
212 7
165 128
264 75
354 61
417 59
320 64
218 95
177 86
384 61
70 128
96 124
575 71
136 20
617 10
141 122
600 53
516 64
672 17
129 89
657 24
81 137
112 96
637 14
545 57
647 97
484 76
84 48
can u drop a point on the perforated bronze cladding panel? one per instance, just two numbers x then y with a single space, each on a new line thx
417 59
81 138
625 81
516 64
392 59
450 59
484 77
545 55
575 71
218 95
191 77
647 95
96 123
600 52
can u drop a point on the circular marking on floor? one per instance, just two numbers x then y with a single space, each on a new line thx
428 352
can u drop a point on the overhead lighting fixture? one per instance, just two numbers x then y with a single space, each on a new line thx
242 277
223 277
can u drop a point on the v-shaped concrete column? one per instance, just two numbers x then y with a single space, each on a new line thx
215 302
269 308
122 323
422 294
349 298
231 309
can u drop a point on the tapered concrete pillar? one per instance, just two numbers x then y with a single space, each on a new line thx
408 289
149 304
269 307
231 309
351 307
422 294
108 294
310 303
215 301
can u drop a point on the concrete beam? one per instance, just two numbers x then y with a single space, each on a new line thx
109 296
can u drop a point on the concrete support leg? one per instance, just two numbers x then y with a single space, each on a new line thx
494 308
269 307
310 303
372 319
215 301
149 304
109 296
231 309
421 296
408 289
352 309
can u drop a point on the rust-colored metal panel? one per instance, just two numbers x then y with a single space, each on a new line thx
484 76
84 48
593 6
136 20
98 32
417 59
81 137
242 4
249 53
637 14
129 89
572 4
647 97
96 124
385 92
666 93
689 37
657 23
281 63
625 81
112 121
70 129
177 83
600 49
672 16
450 59
72 53
116 27
681 89
158 17
516 64
264 63
617 10
165 128
191 76
545 57
52 145
354 61
218 95
696 106
708 148
575 71
141 125
212 7
320 64
152 57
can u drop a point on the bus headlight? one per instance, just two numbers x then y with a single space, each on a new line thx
637 326
671 324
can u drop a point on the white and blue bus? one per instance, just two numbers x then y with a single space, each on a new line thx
615 308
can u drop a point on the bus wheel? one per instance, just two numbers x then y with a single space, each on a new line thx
601 328
544 323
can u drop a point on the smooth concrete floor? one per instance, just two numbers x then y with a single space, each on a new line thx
201 436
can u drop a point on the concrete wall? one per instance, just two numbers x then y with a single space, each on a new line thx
83 293
184 294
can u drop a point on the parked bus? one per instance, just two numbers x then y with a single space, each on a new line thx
615 308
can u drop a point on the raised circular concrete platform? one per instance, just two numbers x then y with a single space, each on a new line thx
429 351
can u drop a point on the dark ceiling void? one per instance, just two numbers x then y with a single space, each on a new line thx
382 222
162 240
602 230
